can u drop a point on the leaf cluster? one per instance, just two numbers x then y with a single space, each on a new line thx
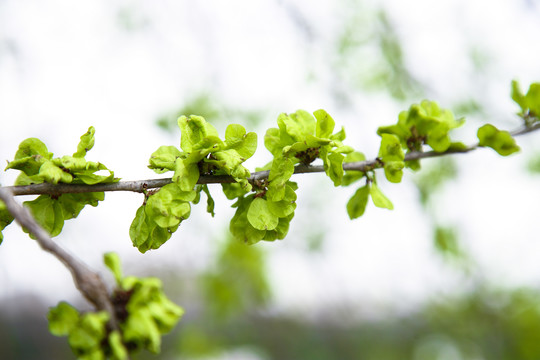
143 311
424 124
529 102
201 152
37 165
300 138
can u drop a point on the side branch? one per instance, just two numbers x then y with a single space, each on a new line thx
89 283
142 185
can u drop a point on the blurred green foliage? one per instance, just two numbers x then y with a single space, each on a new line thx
486 323
369 53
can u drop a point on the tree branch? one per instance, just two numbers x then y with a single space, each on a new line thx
142 185
89 283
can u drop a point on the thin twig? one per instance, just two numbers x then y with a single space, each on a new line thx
142 185
89 283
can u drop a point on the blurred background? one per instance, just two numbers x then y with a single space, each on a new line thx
451 273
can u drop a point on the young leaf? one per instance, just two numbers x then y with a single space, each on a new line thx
5 219
194 130
146 234
530 102
210 204
296 125
62 319
32 153
358 202
48 213
281 171
186 174
112 261
86 143
325 124
164 159
285 207
379 199
53 174
392 156
260 216
119 351
169 206
244 144
390 149
500 141
393 170
334 167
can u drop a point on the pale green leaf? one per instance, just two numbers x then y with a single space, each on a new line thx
260 216
356 206
62 319
379 199
86 143
325 124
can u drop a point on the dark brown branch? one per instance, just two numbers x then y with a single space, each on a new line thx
141 185
89 283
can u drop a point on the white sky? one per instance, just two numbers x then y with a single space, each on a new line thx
65 66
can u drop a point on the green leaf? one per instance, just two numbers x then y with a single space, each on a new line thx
195 131
379 199
438 138
400 130
296 125
119 351
186 174
392 156
32 153
51 212
164 159
146 234
237 139
143 331
339 136
285 207
334 167
112 261
210 204
86 143
233 190
325 124
260 216
273 142
240 227
5 219
500 141
281 230
62 319
53 174
390 149
393 170
72 204
166 314
48 213
89 333
169 206
530 102
518 96
280 173
358 202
